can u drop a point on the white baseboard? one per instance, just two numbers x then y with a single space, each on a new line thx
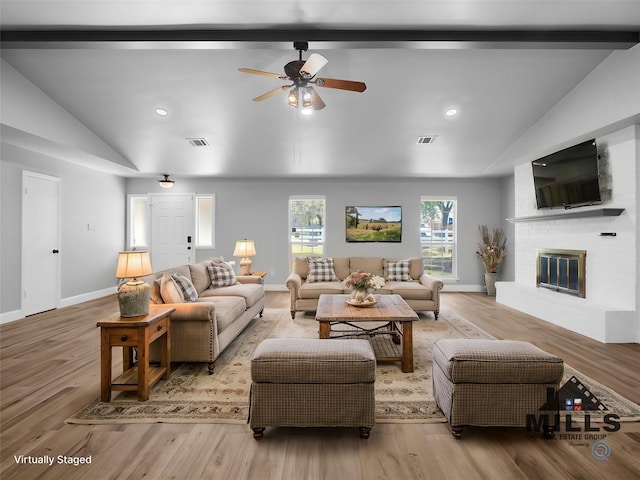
10 316
85 297
65 302
448 287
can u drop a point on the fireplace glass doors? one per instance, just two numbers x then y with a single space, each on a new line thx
562 270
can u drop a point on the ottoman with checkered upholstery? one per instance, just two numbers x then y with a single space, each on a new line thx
301 382
492 383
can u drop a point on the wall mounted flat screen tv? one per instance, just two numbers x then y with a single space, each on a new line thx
568 178
373 224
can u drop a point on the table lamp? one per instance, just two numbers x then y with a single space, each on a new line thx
134 295
245 248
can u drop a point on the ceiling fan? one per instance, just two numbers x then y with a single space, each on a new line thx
302 74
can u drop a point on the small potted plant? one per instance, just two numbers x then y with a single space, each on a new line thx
491 250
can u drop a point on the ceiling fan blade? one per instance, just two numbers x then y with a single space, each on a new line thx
316 101
271 93
260 72
341 84
313 65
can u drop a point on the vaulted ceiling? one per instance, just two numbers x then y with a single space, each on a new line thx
501 64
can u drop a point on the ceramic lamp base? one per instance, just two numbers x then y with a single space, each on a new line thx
134 299
245 266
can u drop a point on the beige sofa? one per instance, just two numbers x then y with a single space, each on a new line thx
202 329
421 292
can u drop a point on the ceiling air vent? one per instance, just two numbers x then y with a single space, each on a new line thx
198 142
426 139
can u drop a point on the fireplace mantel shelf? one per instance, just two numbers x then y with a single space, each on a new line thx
600 212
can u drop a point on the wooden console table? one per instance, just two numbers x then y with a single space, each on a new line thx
139 332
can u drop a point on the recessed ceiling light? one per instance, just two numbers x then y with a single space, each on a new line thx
162 112
451 112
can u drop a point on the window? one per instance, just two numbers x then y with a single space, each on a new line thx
306 226
138 222
205 225
438 236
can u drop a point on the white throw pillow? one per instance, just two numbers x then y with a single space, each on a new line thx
169 290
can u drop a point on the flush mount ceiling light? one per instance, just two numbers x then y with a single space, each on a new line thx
162 112
166 182
452 112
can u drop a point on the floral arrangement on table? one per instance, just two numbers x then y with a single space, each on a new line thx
492 249
361 284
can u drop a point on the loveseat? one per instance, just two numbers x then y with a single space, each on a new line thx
211 308
419 289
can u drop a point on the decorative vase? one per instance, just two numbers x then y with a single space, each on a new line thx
490 282
361 296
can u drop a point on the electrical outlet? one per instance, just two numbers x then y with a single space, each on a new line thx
231 262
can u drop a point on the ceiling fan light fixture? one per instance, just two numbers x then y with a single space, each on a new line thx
313 65
166 182
292 98
307 110
302 74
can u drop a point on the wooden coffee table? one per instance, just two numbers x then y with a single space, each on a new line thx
392 310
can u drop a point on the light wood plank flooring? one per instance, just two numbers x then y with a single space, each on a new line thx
50 366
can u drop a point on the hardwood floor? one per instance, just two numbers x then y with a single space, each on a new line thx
50 368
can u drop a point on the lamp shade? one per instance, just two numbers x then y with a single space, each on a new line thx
244 248
133 264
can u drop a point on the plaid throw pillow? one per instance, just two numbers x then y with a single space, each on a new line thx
188 290
221 274
398 271
320 270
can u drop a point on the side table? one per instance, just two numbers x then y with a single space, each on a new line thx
139 332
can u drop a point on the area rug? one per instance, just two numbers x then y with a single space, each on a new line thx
190 395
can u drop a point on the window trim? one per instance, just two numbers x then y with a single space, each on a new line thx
196 220
129 219
454 261
323 242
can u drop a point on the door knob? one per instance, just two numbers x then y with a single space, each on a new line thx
55 250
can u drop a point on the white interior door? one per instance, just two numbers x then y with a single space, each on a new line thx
172 231
40 247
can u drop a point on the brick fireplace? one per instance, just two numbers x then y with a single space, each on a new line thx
608 311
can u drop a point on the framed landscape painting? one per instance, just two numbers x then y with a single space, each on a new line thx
373 224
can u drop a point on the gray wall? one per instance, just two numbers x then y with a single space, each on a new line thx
88 258
253 208
258 209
